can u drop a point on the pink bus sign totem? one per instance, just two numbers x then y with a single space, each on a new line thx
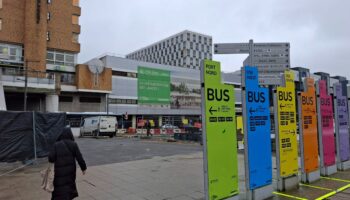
326 105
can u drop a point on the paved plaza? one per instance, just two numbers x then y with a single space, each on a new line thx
158 177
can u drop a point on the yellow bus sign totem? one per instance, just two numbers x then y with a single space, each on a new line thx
287 128
220 134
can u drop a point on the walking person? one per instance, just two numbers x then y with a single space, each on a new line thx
64 154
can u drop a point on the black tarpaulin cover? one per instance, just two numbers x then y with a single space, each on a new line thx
16 134
48 126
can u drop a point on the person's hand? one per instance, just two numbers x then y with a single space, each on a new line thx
84 172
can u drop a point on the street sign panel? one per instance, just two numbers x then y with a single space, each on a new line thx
271 50
218 114
271 45
287 129
231 48
268 78
308 127
342 127
257 130
267 61
270 55
326 108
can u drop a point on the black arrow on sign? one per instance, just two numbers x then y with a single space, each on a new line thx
281 106
292 132
251 110
211 110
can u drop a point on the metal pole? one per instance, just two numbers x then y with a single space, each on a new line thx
107 102
25 84
251 48
34 137
204 135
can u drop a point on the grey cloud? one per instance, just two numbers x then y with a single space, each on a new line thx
318 30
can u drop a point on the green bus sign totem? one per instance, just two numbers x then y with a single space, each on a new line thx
219 134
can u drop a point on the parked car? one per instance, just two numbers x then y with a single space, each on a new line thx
168 126
98 126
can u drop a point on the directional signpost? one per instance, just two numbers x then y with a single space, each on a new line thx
270 58
341 127
219 134
325 128
286 134
257 142
308 132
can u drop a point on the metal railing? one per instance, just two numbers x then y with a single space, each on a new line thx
11 58
18 75
61 63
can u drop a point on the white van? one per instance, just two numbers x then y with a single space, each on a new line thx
98 126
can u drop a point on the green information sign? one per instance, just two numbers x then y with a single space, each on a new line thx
153 86
220 133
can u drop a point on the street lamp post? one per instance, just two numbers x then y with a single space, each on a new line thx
26 82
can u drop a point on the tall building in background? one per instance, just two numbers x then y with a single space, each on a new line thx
185 49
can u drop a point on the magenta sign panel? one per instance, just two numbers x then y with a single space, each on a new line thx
343 130
326 106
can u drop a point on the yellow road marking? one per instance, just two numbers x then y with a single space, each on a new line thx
290 196
335 179
343 188
334 192
326 195
316 187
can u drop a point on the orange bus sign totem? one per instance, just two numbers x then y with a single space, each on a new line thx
309 126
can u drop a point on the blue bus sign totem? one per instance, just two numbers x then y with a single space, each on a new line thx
257 130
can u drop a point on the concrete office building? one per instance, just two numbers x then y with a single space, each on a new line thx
186 49
40 38
129 89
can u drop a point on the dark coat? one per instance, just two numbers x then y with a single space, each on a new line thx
64 153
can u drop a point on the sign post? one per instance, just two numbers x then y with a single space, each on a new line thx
257 140
271 59
341 127
286 134
325 129
308 133
219 135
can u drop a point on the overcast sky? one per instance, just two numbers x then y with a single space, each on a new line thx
318 30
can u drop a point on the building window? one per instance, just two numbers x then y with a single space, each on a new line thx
75 19
61 58
122 101
75 2
48 36
90 99
125 74
68 78
75 38
48 16
65 99
11 53
48 1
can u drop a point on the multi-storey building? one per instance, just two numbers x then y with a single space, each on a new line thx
39 32
39 39
131 85
185 49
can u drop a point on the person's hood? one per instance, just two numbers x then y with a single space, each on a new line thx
66 135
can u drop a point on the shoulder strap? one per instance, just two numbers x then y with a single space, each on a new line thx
69 149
